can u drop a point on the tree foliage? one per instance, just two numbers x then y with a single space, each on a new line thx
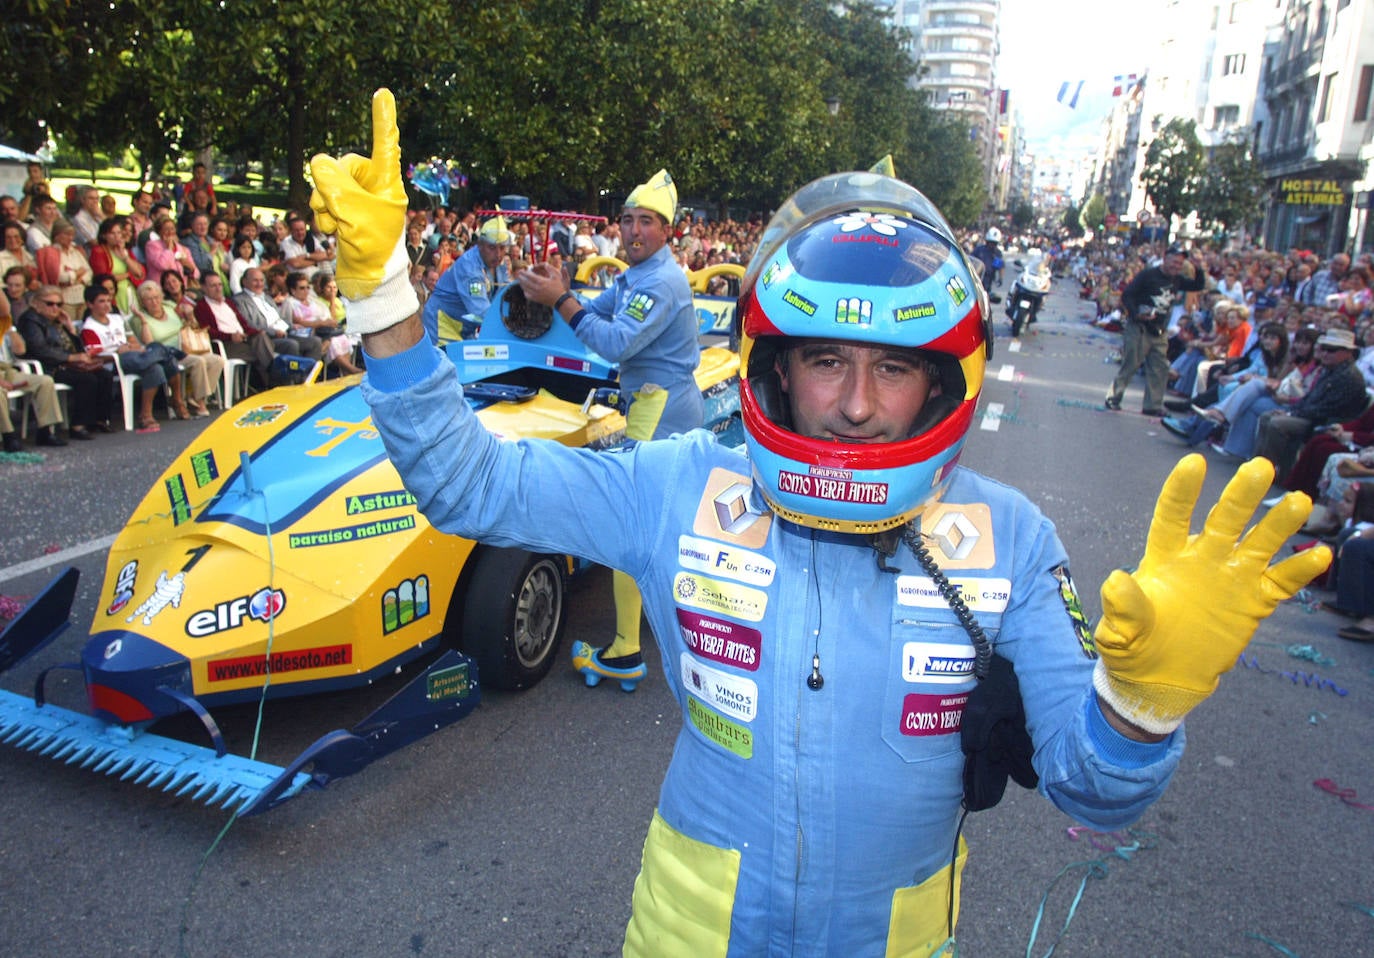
1173 168
571 102
1094 213
1230 190
1022 215
1073 221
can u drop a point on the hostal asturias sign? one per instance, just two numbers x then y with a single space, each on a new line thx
1312 192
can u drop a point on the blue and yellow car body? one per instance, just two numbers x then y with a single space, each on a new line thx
280 554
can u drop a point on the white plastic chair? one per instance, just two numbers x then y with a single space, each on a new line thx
34 368
23 402
234 382
126 392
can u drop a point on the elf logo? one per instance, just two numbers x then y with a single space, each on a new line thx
124 587
261 606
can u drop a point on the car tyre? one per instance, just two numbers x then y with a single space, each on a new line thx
513 616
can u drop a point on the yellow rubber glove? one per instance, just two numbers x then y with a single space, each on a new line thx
1171 627
362 201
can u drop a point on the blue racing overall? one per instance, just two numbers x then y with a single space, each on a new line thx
464 289
792 821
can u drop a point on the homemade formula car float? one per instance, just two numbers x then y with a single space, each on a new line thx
280 555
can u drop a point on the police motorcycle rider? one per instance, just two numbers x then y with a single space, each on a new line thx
820 661
1028 292
989 254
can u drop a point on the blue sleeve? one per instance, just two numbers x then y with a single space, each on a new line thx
636 322
444 297
536 494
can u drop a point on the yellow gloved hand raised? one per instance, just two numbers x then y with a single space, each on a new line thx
362 201
1171 627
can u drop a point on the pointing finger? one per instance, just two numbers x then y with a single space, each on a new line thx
386 139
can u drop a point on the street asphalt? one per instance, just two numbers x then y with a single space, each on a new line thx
517 831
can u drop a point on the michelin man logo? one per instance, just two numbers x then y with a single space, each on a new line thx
166 592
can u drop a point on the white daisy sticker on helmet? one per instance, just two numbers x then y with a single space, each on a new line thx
884 223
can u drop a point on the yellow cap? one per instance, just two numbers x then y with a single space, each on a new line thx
494 231
659 195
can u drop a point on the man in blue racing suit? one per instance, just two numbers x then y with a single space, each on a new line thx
465 288
825 607
646 322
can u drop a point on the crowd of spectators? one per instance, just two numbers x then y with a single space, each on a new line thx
1273 357
237 287
436 238
167 266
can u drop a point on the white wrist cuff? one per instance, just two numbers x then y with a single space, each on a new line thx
392 302
1141 714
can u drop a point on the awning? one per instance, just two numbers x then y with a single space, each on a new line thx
17 156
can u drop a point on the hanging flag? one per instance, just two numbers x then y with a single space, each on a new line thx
1123 84
1068 93
1002 102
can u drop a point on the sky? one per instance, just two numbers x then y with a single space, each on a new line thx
1089 40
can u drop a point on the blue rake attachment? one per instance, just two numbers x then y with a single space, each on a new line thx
444 693
146 759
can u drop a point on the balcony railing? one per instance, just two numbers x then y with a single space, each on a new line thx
957 56
1286 155
1295 67
951 6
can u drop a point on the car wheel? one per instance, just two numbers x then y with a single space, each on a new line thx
513 615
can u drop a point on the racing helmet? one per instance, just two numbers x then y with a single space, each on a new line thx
993 235
866 258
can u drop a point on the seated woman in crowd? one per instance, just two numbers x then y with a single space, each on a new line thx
15 253
1354 296
1266 359
1288 382
1230 285
312 314
52 338
63 264
16 290
105 334
1189 344
175 295
245 258
1230 331
111 254
166 254
1338 491
153 321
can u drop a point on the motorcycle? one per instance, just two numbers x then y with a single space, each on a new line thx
1027 294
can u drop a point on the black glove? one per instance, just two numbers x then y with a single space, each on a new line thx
994 738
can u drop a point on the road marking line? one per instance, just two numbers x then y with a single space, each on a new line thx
57 558
992 417
1006 373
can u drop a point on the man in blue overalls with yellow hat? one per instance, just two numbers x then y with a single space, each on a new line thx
465 288
646 322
